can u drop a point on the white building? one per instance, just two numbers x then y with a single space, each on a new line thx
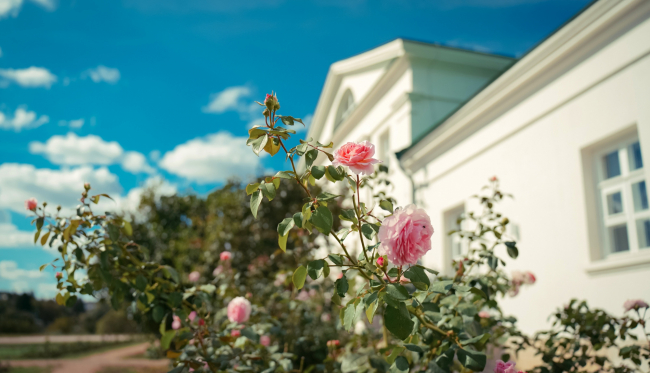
566 128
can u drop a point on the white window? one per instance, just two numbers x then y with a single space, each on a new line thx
457 247
346 106
623 198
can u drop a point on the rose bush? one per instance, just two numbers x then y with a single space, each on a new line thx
219 306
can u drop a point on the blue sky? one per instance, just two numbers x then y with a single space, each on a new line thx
131 93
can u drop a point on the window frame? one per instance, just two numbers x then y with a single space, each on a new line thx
623 184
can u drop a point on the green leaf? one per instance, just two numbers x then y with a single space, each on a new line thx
285 226
318 172
472 359
343 233
478 340
171 273
393 272
394 354
341 285
282 242
71 301
44 238
39 223
268 189
398 321
401 365
284 175
256 200
349 215
417 276
479 292
441 286
369 230
326 196
335 173
166 339
315 268
349 316
310 157
299 277
397 291
158 313
322 220
326 269
512 249
259 143
414 348
493 262
41 268
386 205
371 309
336 259
141 283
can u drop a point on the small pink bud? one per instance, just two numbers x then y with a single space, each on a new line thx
217 271
265 340
194 276
235 333
192 316
176 324
225 255
380 262
484 314
201 322
87 186
340 275
31 204
59 275
493 178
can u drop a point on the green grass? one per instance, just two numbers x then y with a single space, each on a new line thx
57 350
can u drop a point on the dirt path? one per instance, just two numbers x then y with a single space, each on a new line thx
93 363
38 339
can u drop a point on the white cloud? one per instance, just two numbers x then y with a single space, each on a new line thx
10 8
12 237
211 159
154 155
74 123
9 270
47 4
72 150
0 52
228 99
103 74
19 182
136 163
131 201
22 119
75 150
30 77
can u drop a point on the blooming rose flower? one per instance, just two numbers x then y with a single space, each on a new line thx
503 367
217 271
406 235
303 296
357 156
31 204
176 324
235 333
530 278
280 278
239 310
380 261
225 255
634 304
484 314
194 276
265 340
326 317
192 316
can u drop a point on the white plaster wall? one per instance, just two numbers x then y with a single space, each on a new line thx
535 150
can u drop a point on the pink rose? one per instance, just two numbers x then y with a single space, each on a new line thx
239 310
194 276
503 367
225 255
406 235
268 96
634 304
58 275
493 178
357 156
484 314
340 275
380 261
192 316
265 340
326 317
176 324
333 343
530 278
303 296
235 333
217 271
31 204
280 278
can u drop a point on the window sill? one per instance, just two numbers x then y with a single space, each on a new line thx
620 262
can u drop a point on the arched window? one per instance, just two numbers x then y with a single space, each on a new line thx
345 108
